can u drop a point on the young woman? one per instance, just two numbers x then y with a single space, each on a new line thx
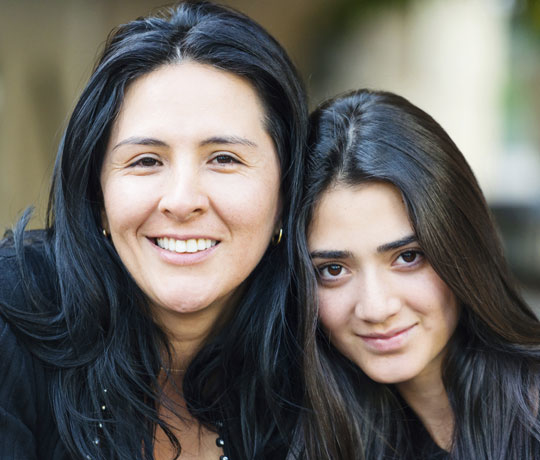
425 347
151 318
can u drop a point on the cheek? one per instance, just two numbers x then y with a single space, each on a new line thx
126 204
250 205
333 313
451 312
439 303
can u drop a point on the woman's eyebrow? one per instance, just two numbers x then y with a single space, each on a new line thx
331 255
397 244
135 140
228 140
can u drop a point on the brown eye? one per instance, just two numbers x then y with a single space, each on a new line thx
332 270
146 162
409 259
224 159
332 273
409 256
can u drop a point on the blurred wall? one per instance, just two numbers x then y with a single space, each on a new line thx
448 57
47 52
472 64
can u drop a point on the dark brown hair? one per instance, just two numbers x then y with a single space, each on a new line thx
97 333
495 351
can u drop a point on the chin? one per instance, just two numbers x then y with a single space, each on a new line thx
187 306
390 378
180 304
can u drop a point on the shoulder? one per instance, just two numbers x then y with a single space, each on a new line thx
26 422
24 268
34 246
27 427
15 365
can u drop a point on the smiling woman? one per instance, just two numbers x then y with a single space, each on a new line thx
187 150
152 318
381 302
425 348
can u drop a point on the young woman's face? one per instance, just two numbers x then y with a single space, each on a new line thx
190 182
381 303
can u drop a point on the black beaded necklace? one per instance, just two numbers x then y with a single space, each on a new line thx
220 442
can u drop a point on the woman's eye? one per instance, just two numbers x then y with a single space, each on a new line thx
146 162
331 271
409 257
224 159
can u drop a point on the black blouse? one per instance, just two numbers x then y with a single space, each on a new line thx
28 430
424 447
27 427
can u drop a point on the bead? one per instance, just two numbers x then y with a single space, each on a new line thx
100 425
223 457
96 441
220 442
104 407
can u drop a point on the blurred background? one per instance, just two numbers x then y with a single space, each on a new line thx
474 65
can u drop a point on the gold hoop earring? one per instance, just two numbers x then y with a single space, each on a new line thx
276 239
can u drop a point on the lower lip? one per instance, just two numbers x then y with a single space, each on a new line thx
183 258
385 345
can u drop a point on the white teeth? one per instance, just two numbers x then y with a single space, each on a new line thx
191 245
180 246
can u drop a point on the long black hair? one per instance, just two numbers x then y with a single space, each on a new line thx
88 319
491 368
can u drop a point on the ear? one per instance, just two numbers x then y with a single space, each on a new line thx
279 214
278 234
104 221
278 221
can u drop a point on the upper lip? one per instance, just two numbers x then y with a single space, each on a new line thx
185 237
387 334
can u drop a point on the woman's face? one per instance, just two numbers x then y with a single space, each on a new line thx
381 303
190 182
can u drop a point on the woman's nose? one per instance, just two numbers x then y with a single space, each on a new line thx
183 194
376 300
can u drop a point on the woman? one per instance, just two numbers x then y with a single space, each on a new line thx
425 345
151 318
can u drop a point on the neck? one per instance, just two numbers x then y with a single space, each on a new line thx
426 395
188 332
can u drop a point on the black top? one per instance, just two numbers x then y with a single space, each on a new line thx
424 447
27 427
28 430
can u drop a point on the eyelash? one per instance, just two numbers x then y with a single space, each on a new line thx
140 162
419 257
330 277
230 159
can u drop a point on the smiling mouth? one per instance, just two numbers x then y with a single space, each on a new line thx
388 335
181 246
388 342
